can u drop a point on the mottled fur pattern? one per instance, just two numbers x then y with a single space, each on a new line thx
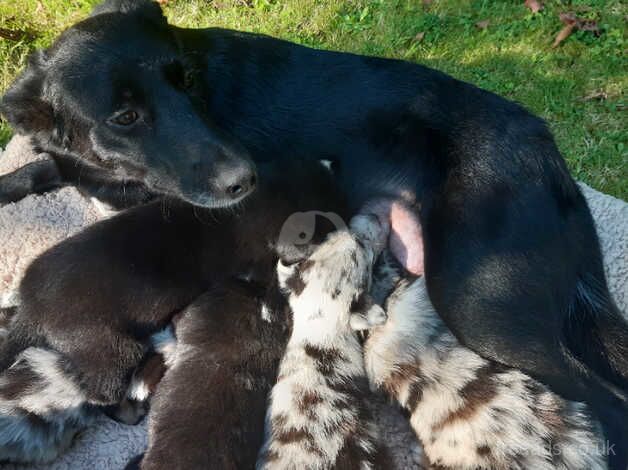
42 406
470 413
317 418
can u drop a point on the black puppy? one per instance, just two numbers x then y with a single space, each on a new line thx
209 408
512 263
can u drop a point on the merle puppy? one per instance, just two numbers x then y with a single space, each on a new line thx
512 259
42 406
469 413
318 416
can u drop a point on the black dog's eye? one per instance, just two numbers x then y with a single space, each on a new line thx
125 118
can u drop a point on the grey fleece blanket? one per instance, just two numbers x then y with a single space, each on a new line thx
37 222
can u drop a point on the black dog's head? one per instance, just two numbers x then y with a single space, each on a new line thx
116 92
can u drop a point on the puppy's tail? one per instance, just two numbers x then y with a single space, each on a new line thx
596 333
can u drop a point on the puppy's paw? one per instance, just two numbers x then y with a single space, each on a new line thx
128 411
285 272
374 316
135 463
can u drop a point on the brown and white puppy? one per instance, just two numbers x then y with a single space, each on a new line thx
318 416
469 413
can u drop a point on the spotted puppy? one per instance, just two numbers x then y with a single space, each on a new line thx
469 413
42 406
317 418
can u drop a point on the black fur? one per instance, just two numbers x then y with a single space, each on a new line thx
512 256
208 411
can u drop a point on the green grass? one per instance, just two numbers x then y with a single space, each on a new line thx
512 57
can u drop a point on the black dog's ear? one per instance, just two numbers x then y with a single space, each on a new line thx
147 8
22 105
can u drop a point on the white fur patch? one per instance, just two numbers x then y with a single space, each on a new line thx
165 342
10 299
265 313
42 412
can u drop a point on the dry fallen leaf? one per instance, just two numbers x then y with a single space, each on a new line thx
427 2
572 22
534 5
482 24
591 26
419 36
563 34
16 34
599 95
568 18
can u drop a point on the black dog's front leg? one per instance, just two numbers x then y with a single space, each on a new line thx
97 296
33 178
50 174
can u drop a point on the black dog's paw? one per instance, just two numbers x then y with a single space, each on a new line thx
33 178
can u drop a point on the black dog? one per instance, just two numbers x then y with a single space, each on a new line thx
513 264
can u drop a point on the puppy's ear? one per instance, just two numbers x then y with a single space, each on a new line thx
23 105
147 8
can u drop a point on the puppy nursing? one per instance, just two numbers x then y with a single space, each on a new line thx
42 406
467 412
318 416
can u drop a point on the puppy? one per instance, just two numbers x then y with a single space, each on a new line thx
318 416
208 411
211 403
42 406
468 412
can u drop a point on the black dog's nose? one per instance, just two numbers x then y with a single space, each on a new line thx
236 181
242 188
